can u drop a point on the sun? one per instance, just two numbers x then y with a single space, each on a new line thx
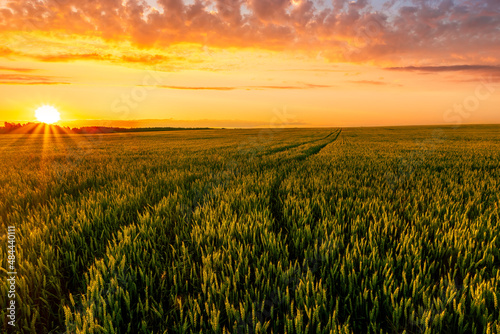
47 114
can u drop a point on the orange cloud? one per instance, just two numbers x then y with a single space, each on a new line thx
197 88
454 68
20 79
70 57
305 86
491 71
33 83
403 32
17 69
370 82
225 123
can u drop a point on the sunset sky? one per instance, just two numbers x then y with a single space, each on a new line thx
249 62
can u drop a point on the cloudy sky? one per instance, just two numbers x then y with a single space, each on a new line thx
243 62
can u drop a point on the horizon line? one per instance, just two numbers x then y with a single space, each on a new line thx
23 123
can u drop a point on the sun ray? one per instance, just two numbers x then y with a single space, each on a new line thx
45 133
13 141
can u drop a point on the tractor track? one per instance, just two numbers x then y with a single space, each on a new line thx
276 199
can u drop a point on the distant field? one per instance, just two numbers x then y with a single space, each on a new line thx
366 230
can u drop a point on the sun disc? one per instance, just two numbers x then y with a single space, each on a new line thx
47 114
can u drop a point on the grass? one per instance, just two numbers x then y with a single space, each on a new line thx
370 230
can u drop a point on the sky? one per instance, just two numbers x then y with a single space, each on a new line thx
251 63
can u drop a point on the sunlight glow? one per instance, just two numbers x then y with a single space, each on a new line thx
47 114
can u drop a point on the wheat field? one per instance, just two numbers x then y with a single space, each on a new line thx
354 230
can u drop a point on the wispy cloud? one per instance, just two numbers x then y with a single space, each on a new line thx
322 70
257 87
464 73
17 69
197 88
369 82
309 85
33 83
27 79
216 123
454 68
65 57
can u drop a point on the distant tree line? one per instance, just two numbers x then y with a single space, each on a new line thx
32 128
10 127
